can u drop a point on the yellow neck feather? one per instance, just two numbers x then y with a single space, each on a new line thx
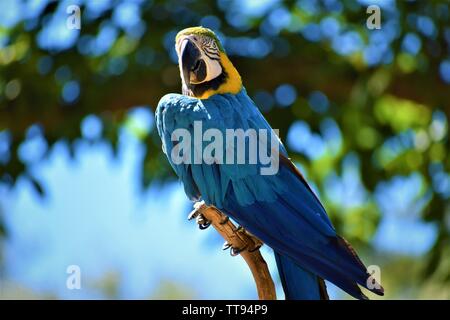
233 83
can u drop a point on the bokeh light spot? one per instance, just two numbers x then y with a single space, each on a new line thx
444 70
91 127
285 95
12 89
318 101
71 91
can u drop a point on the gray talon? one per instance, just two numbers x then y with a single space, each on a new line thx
193 214
226 246
202 222
205 225
234 251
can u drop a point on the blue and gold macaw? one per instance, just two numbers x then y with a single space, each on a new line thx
280 209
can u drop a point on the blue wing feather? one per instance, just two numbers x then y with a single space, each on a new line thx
280 209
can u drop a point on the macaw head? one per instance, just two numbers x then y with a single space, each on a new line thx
205 69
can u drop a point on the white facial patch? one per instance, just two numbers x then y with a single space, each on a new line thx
213 67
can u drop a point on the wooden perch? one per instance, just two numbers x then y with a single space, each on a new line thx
240 242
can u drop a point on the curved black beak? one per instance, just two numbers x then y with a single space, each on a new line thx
192 66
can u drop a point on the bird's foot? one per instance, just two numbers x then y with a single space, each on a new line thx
238 239
233 251
202 222
251 245
194 213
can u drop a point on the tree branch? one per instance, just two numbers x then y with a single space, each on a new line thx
241 242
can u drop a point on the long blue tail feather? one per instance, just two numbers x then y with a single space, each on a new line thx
298 283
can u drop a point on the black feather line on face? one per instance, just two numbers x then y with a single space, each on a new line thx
214 84
212 56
